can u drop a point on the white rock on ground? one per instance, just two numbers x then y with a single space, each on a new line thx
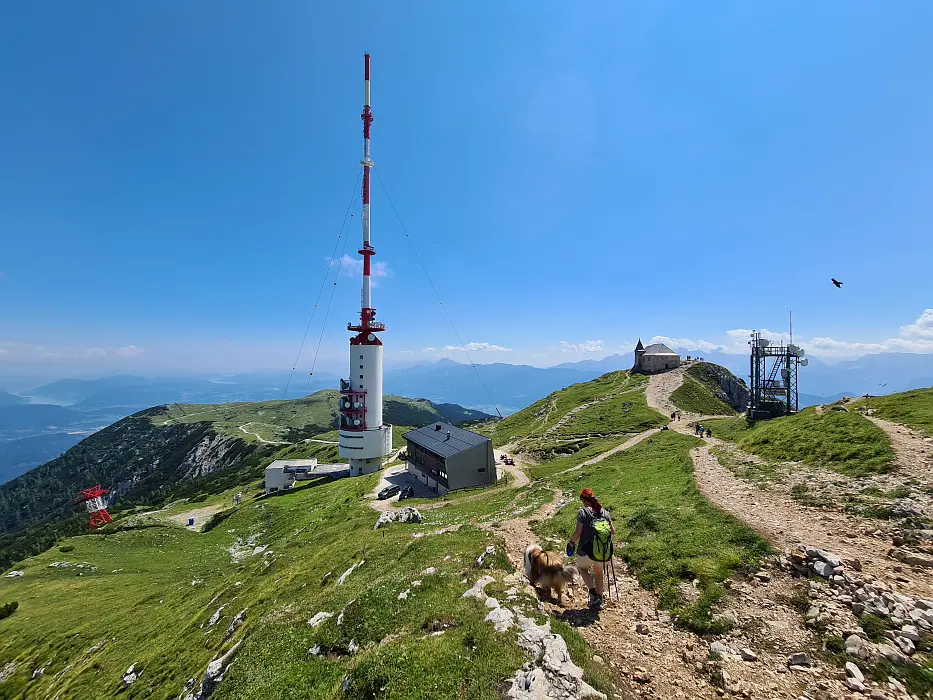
854 672
319 618
345 574
409 515
237 620
482 557
131 675
14 574
477 591
340 616
214 674
384 519
216 616
553 674
430 571
501 618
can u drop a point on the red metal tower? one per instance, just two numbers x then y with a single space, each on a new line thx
97 511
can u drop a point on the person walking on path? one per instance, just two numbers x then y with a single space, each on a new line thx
709 432
590 518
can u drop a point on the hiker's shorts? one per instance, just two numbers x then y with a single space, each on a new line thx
584 562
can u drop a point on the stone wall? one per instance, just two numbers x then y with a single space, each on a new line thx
657 363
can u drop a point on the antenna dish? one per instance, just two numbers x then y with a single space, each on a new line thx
804 362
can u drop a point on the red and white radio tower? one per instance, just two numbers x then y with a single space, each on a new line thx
364 438
97 511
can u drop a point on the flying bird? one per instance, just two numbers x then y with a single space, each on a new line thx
837 283
884 385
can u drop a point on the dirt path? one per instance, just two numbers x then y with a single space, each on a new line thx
913 452
660 388
260 437
631 442
200 515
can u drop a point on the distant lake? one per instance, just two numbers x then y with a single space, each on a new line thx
50 400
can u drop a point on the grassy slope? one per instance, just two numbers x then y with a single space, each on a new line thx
314 414
698 394
674 534
625 411
839 440
150 605
912 408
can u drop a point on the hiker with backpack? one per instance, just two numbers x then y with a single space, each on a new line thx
594 534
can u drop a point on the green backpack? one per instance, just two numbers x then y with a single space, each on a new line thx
602 540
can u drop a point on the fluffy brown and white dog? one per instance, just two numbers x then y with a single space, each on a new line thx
546 570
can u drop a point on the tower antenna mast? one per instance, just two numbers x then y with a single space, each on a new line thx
363 437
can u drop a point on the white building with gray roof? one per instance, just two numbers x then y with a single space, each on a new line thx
654 358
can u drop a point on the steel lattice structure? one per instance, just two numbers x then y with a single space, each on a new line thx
97 510
773 377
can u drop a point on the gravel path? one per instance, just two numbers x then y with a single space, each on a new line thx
913 451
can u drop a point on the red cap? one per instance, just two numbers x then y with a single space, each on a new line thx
587 494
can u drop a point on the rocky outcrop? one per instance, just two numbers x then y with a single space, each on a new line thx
909 619
405 515
213 676
732 390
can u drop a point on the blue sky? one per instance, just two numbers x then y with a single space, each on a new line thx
174 176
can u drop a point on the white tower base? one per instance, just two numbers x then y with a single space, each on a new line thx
366 449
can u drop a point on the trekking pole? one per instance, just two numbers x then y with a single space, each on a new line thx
612 568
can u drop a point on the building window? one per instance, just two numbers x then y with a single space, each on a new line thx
361 366
361 357
361 376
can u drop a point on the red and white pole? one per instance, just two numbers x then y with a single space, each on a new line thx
367 250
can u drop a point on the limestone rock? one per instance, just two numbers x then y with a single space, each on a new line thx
490 550
748 655
893 655
345 574
213 675
216 616
501 618
237 620
15 574
319 618
798 658
131 675
477 591
553 674
855 672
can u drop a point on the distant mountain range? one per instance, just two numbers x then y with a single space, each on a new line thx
84 406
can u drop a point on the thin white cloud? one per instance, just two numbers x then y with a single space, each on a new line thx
585 346
916 337
475 347
685 343
483 347
18 352
353 267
